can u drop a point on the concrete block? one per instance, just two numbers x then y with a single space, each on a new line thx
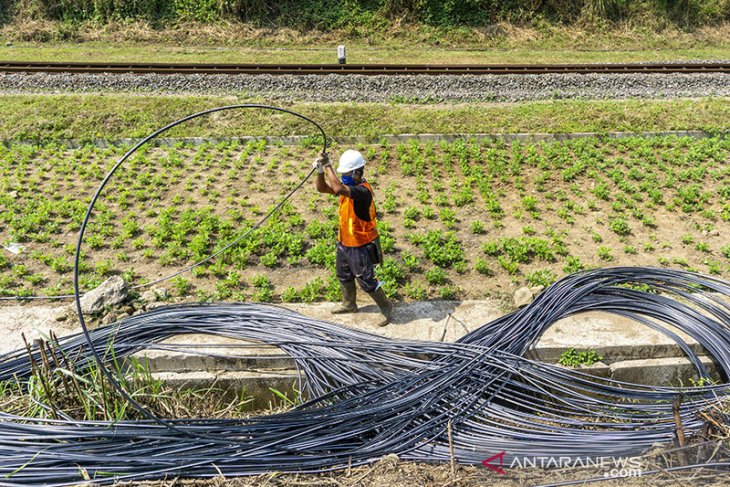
598 369
669 371
190 353
229 385
613 337
632 352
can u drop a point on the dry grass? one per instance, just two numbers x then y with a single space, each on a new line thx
655 470
391 471
626 35
241 43
229 42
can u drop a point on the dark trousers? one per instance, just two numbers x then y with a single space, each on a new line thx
358 263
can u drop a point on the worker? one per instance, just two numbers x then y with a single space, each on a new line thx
358 245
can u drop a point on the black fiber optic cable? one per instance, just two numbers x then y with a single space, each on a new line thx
102 185
370 396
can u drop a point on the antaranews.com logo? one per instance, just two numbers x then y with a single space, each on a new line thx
612 467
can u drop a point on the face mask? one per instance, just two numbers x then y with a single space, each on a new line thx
348 180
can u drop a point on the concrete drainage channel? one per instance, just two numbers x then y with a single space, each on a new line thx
631 352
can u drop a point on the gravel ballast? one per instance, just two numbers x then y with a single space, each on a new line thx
362 88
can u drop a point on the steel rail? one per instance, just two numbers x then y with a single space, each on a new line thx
365 69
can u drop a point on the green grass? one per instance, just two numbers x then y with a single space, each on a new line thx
357 53
113 116
574 358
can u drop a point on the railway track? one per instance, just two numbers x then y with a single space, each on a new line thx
366 69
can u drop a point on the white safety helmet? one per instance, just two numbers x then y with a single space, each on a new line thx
350 160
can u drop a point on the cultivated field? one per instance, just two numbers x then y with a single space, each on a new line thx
458 220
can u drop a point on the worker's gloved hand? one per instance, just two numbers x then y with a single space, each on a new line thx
318 166
322 161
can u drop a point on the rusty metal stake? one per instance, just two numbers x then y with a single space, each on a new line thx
451 452
680 429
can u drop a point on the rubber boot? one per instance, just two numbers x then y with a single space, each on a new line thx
349 305
386 307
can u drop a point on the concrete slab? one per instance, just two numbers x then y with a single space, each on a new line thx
33 321
424 320
670 371
254 386
204 352
622 343
598 369
613 337
429 320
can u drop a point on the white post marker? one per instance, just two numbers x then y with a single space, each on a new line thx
341 54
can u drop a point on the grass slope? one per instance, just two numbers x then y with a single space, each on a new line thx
544 42
59 117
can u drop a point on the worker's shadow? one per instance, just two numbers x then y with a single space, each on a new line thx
404 313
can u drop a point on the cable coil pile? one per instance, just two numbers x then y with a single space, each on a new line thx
374 396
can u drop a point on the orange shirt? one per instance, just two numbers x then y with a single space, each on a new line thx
353 230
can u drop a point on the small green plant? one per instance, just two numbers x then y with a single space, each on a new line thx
701 382
290 295
602 191
604 253
714 267
312 290
436 275
529 203
482 267
181 285
477 227
508 264
442 249
573 358
260 281
412 212
391 273
573 264
448 292
415 291
619 226
104 267
448 216
543 277
648 221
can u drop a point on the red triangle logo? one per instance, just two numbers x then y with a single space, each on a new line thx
499 456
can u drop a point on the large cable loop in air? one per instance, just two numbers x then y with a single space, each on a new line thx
102 185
